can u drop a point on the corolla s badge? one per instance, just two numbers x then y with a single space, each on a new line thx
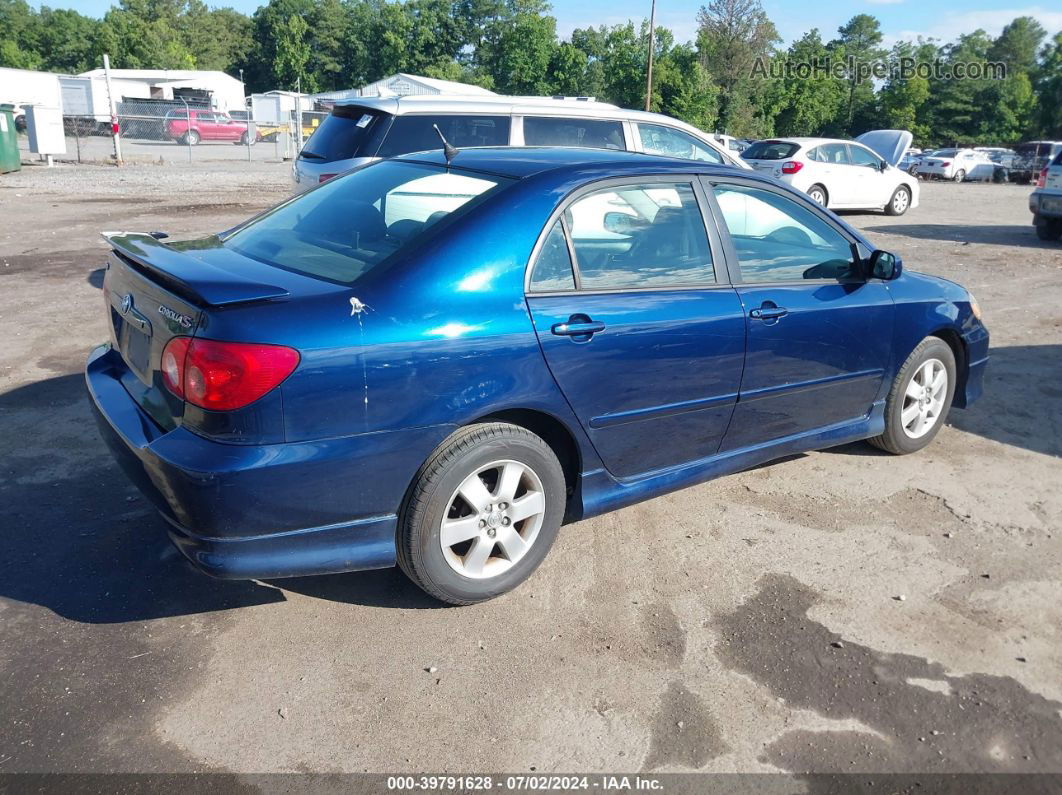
184 321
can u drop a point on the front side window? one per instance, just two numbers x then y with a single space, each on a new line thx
415 133
648 235
779 240
863 157
564 131
659 140
350 225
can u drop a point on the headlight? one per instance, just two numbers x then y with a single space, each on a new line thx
975 307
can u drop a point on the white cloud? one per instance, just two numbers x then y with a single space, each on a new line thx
950 26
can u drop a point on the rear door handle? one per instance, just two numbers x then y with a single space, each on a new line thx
578 328
769 312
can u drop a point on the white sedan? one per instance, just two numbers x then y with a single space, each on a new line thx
956 165
842 175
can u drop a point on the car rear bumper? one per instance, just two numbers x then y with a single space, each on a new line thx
241 511
1046 203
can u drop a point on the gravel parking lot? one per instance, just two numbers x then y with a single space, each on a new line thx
843 611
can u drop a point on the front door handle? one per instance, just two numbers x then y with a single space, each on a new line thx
769 311
578 327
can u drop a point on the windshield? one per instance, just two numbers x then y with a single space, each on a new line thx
350 225
770 150
347 132
946 153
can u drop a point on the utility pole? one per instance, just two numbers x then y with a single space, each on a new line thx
649 76
114 111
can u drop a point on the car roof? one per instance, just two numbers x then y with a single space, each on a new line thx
550 106
525 161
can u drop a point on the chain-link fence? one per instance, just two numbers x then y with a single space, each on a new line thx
179 131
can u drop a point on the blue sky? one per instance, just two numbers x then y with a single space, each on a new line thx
942 19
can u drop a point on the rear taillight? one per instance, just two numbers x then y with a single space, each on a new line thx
1042 179
791 166
326 177
945 163
222 376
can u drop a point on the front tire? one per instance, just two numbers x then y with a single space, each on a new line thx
191 138
960 175
919 400
482 513
900 201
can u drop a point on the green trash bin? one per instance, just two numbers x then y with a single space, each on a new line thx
10 159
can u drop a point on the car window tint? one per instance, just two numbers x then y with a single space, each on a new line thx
835 153
778 239
348 226
770 150
863 157
348 131
591 133
659 140
553 268
816 155
417 133
640 236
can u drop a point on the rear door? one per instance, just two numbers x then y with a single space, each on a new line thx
843 181
638 323
819 335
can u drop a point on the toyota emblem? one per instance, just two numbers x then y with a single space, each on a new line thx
127 303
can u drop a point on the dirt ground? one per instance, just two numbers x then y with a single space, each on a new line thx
753 624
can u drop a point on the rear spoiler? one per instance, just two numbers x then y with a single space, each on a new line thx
188 276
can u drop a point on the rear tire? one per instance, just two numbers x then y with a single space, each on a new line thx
900 201
1051 230
818 194
482 513
918 403
247 140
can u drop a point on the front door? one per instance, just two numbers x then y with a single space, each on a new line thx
644 340
873 186
819 334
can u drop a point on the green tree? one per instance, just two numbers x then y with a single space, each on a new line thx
293 55
1049 88
903 97
810 98
858 45
732 36
1018 44
19 26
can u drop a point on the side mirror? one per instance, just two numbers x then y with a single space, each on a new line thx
884 265
619 223
883 166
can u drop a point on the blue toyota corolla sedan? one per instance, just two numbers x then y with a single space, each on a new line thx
438 363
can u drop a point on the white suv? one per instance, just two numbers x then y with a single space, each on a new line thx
364 129
842 175
1046 201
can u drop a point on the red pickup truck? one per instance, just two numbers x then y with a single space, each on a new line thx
198 124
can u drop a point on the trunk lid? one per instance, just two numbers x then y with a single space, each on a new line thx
890 144
155 292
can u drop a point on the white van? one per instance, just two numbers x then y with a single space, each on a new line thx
364 129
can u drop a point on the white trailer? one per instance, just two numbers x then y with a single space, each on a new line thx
86 98
23 87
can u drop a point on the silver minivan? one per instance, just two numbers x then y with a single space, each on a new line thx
364 129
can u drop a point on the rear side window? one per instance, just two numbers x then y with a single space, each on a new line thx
590 133
348 131
417 133
659 140
770 150
648 235
348 226
835 153
553 268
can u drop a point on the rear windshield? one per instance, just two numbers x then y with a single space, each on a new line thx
352 224
946 153
417 133
1039 150
770 150
348 131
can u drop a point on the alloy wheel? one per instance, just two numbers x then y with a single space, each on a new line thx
899 201
492 519
923 400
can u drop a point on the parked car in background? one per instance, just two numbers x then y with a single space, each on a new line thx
1031 159
263 131
842 175
547 334
911 158
361 130
1046 201
999 155
956 165
196 124
734 145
